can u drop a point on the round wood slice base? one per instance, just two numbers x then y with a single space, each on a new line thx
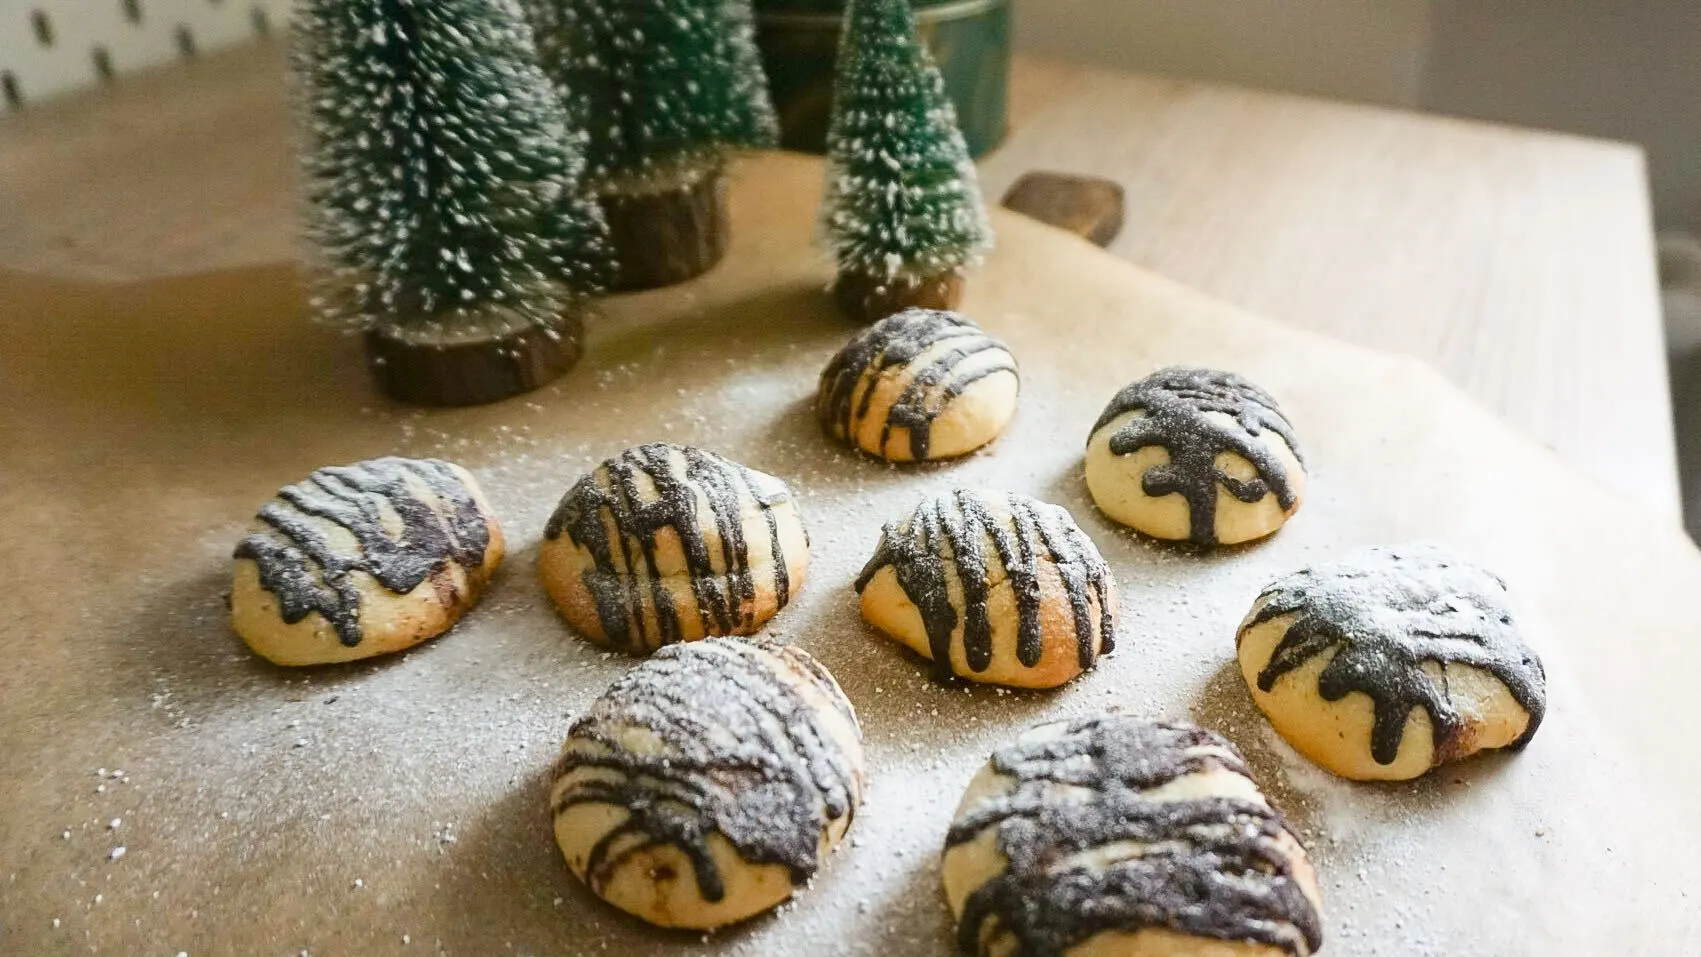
473 372
668 237
866 299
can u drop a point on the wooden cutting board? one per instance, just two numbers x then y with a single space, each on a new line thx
400 806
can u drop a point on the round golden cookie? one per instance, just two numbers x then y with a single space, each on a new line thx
709 783
1107 836
993 587
921 384
362 560
1391 662
665 543
1195 455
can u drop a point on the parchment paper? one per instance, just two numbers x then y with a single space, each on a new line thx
400 806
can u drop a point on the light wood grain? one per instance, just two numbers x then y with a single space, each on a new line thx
1520 264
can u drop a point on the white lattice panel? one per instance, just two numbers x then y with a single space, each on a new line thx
52 46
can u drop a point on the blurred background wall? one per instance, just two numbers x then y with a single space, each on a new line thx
1626 69
1359 49
54 46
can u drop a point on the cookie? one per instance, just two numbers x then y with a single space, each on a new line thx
993 587
362 560
709 783
922 384
1116 837
1195 455
1392 662
665 543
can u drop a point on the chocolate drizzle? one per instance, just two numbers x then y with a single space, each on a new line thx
891 347
742 754
651 488
1178 402
1387 611
1204 866
957 536
309 572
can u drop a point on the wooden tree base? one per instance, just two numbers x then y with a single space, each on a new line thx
668 237
474 371
867 299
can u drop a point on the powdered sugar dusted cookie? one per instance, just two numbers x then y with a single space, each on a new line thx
1114 837
665 543
362 560
709 783
1195 455
994 587
1391 662
922 384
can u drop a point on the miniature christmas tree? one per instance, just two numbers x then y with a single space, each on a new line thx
665 89
903 213
443 186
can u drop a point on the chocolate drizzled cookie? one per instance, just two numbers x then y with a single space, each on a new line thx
406 521
751 742
908 369
1089 846
681 543
1386 613
1196 415
949 555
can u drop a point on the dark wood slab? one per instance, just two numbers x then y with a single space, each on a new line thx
1088 206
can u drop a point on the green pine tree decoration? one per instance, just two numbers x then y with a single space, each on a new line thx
444 194
666 90
903 213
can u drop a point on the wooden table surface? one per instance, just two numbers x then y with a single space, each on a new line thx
1520 264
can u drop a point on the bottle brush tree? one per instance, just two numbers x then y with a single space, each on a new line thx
665 89
903 213
444 194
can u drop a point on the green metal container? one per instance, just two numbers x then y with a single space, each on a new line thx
970 39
